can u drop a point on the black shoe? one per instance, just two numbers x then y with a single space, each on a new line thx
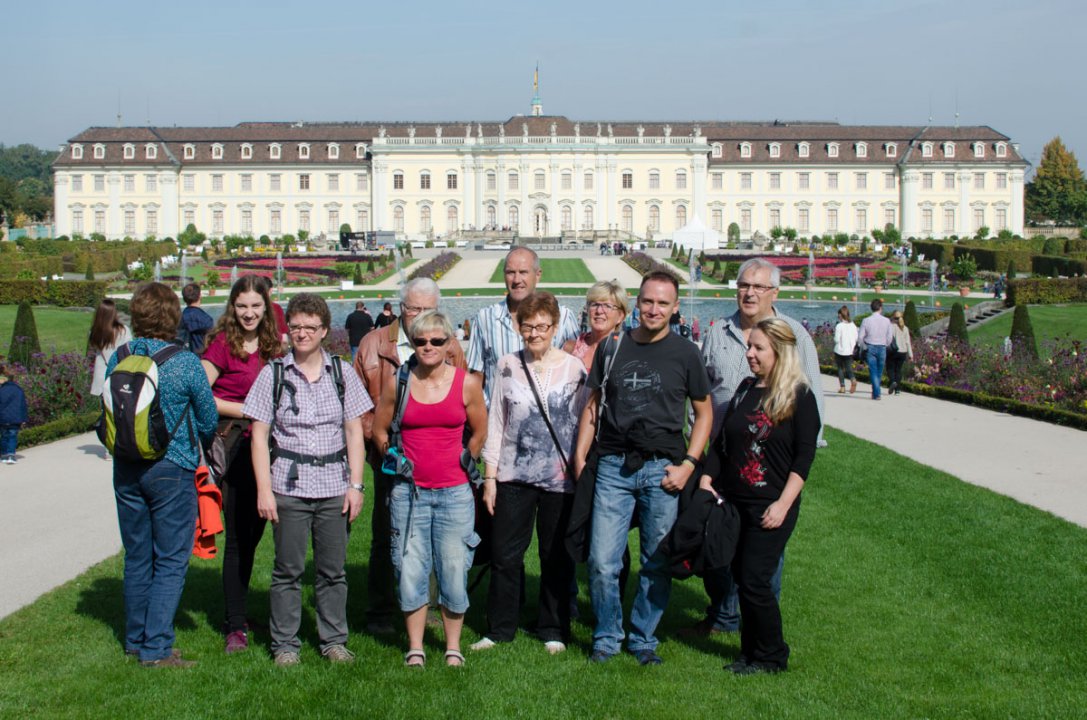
600 656
742 667
648 657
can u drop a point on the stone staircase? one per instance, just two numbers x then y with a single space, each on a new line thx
975 315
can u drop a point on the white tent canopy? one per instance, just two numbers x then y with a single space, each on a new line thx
696 236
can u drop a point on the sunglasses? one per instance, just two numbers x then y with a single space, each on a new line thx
433 342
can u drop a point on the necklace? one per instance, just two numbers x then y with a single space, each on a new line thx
440 381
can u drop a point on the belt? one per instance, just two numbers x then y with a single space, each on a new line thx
315 460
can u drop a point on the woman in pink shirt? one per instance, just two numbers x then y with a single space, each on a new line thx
433 512
243 340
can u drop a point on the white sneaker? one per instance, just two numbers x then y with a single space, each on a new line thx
554 647
484 643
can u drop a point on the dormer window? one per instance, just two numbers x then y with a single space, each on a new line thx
333 151
150 151
926 149
949 150
275 150
832 150
130 151
303 151
189 152
247 151
745 150
1001 149
360 151
217 151
99 152
862 150
803 149
718 151
775 150
77 152
892 150
979 150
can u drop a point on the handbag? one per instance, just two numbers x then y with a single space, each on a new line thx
224 445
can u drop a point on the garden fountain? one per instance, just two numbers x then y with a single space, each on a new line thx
932 283
905 275
184 263
233 275
279 275
811 278
158 271
856 288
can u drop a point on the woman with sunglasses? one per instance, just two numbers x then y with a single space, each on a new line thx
532 426
433 512
607 305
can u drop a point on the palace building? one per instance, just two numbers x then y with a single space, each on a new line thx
542 176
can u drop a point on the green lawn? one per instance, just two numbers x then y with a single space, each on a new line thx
555 270
1049 321
907 594
59 329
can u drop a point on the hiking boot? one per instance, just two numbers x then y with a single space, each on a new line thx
288 658
338 654
236 642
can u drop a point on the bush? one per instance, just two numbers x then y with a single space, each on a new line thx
24 336
645 264
1046 291
58 429
1022 334
964 267
358 272
956 328
1053 246
67 293
370 265
1011 271
909 316
89 273
1050 266
733 232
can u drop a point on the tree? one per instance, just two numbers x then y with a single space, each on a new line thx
956 327
1058 191
909 316
24 336
89 274
358 274
891 234
982 233
790 234
733 233
1022 334
1011 270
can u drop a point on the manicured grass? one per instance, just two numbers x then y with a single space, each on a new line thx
59 329
555 270
907 594
1050 322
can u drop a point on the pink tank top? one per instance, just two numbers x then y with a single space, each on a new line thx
433 434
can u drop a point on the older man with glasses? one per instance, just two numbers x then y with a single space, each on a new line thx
724 351
380 354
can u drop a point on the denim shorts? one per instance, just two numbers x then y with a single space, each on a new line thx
432 529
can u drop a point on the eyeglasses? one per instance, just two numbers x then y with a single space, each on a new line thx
757 289
413 309
607 307
541 328
433 342
304 329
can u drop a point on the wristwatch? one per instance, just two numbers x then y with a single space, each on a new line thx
358 486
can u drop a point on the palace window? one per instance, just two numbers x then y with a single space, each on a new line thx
775 150
1001 219
333 182
949 220
275 151
362 182
926 220
247 221
654 180
926 149
745 150
628 218
99 152
77 183
275 221
452 221
862 181
398 181
654 218
424 218
892 150
588 181
77 152
247 151
628 181
1002 181
492 182
979 181
398 219
949 181
888 216
803 149
717 151
362 220
303 181
832 219
888 181
216 183
539 180
775 218
803 180
832 181
360 151
979 218
979 150
247 182
775 181
1001 150
717 220
217 222
100 221
949 150
303 220
802 220
862 220
151 183
681 216
832 150
862 150
926 181
130 151
451 181
588 221
130 183
303 151
188 183
216 152
745 181
189 152
424 181
567 218
130 222
717 181
152 221
681 180
333 152
99 183
513 182
151 151
567 182
274 182
515 217
745 220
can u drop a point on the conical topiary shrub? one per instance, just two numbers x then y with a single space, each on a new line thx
1022 334
956 328
358 274
24 336
89 275
909 316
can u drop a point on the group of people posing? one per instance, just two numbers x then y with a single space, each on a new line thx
581 435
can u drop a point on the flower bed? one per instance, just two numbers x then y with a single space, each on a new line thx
645 264
310 269
56 386
437 267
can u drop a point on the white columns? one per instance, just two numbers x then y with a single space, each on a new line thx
169 223
964 219
114 223
380 192
610 164
699 164
1015 185
907 214
62 214
554 225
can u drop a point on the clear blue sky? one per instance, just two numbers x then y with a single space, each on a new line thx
1016 66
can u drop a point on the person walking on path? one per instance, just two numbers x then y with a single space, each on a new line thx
642 463
357 325
900 350
385 317
309 482
380 354
876 335
13 415
845 340
195 322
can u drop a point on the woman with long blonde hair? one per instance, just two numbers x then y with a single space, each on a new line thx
759 462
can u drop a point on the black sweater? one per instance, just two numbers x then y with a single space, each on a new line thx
751 459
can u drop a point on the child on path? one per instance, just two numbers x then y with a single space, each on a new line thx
12 416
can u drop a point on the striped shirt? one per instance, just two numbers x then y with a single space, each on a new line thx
724 351
310 423
495 335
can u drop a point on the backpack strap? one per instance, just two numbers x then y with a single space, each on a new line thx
337 377
403 374
609 360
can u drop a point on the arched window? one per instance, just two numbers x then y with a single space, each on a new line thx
189 152
151 151
567 218
515 215
492 216
333 151
247 151
99 151
681 180
514 182
588 218
681 216
275 150
130 151
628 218
77 152
654 218
424 218
451 221
303 151
398 219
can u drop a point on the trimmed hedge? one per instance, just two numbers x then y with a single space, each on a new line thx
942 252
1051 265
1046 291
62 293
58 429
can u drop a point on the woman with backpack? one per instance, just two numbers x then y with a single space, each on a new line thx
156 498
308 458
243 341
107 334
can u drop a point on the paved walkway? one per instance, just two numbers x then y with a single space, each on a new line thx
59 497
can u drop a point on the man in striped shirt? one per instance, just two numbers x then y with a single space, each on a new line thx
495 332
724 351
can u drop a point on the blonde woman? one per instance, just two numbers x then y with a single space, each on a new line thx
606 303
896 358
760 461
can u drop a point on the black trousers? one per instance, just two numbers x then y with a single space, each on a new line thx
895 361
516 507
382 603
845 368
244 529
753 567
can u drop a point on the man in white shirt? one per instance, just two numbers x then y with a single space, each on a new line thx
876 334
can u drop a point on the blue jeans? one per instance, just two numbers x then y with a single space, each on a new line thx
156 511
724 608
877 358
432 528
618 494
9 440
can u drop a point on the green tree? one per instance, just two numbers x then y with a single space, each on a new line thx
982 233
1011 270
1058 191
891 234
965 267
89 274
733 232
909 316
956 327
24 336
358 274
790 234
345 228
1022 334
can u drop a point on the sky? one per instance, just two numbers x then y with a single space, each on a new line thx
1016 67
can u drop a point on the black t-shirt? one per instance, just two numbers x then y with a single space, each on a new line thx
358 324
751 458
383 320
647 390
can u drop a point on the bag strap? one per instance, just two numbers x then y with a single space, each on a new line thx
543 411
402 378
609 360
